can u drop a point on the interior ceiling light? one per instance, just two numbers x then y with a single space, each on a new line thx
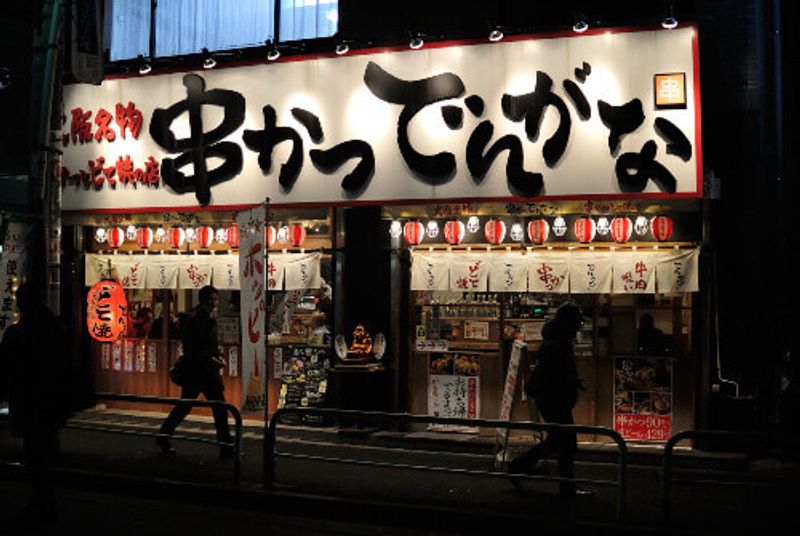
496 35
580 26
272 51
208 60
416 41
144 66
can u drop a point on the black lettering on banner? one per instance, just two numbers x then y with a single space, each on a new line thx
264 141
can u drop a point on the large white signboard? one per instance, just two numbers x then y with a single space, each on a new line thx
536 117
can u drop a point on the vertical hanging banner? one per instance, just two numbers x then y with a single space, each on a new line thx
225 271
303 271
549 272
470 274
508 273
130 271
275 271
634 272
194 273
252 278
13 264
161 274
678 272
590 273
429 272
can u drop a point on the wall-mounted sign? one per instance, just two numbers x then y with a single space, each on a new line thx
670 90
526 118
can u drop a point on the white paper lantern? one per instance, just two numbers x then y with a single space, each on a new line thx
559 226
130 233
395 229
101 235
473 224
432 229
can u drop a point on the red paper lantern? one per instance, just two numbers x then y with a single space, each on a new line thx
233 236
454 232
205 236
144 237
297 234
538 231
106 311
494 231
177 236
271 235
585 229
116 236
413 232
662 228
621 229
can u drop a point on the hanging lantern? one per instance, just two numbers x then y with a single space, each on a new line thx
621 229
116 236
661 226
144 237
100 235
538 231
559 226
221 235
473 224
454 232
640 226
205 236
395 229
432 229
161 235
233 236
130 232
283 234
191 234
271 235
494 231
177 236
297 234
517 234
603 226
413 232
585 229
106 311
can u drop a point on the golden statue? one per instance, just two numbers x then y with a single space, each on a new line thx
361 347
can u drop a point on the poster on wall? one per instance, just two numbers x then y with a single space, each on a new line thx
643 398
252 277
13 262
454 389
304 379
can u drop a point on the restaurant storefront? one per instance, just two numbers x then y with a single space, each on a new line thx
421 209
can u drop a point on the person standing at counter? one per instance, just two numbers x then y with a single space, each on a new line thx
201 350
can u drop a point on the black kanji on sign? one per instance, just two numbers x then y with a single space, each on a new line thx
264 141
200 145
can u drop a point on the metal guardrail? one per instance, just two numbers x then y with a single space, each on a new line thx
237 417
270 454
667 478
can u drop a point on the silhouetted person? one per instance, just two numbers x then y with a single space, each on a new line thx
554 386
33 368
649 339
201 350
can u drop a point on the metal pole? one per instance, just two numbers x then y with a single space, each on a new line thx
268 447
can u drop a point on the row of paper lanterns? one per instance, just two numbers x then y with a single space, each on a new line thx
204 236
585 229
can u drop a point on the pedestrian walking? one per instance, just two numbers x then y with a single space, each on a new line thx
554 384
203 364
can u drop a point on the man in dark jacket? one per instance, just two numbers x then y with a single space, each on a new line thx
33 374
554 385
201 350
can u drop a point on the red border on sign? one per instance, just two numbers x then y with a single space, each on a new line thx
698 193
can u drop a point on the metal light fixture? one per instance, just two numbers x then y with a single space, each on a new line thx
342 47
496 34
416 42
580 25
272 51
669 22
144 66
208 60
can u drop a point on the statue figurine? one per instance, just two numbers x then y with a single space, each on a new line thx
361 347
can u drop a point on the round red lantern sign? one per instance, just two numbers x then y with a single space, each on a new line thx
205 236
177 236
144 237
297 234
233 236
106 311
621 229
495 231
585 229
454 232
116 236
271 235
662 228
413 232
538 231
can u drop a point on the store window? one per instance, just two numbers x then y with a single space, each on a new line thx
188 26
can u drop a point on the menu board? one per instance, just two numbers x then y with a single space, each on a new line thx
228 327
454 389
643 398
304 381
